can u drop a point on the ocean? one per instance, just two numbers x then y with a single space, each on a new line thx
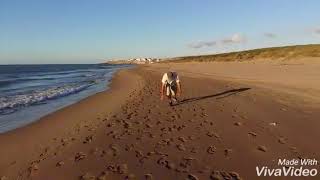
28 92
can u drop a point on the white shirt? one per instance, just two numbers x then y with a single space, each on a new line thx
165 78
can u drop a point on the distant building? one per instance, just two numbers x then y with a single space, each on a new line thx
135 61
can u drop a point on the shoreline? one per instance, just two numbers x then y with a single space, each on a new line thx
33 113
129 127
55 126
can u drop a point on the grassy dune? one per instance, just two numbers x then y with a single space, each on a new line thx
279 53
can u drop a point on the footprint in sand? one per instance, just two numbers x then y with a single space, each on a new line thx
253 134
127 125
148 177
243 116
179 128
33 168
220 175
111 124
204 170
88 139
112 168
227 152
160 153
139 154
87 176
211 149
142 159
64 141
282 140
181 147
162 162
111 133
103 176
213 134
94 151
79 156
191 138
151 153
192 177
60 163
149 126
114 149
152 135
194 150
238 123
262 148
122 169
130 176
170 165
184 165
129 147
182 139
204 115
294 149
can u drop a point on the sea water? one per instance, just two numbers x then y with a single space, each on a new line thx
28 92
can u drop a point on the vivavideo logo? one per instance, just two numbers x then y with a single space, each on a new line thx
293 168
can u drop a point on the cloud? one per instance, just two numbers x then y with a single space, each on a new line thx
270 35
235 38
316 31
202 44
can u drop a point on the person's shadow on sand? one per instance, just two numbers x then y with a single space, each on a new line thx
221 95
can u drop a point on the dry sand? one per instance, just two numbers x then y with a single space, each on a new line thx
225 126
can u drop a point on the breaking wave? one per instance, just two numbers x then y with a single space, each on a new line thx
12 103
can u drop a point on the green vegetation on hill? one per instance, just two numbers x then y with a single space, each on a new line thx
282 53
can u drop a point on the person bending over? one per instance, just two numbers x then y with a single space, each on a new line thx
171 85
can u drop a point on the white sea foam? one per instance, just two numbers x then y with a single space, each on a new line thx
12 103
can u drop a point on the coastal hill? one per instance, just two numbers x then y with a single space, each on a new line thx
273 53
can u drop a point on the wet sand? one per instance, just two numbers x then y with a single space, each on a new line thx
221 129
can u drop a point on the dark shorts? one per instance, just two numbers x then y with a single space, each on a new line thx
171 90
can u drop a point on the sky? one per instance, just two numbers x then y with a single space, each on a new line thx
91 31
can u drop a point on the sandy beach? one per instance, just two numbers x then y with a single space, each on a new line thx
232 117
